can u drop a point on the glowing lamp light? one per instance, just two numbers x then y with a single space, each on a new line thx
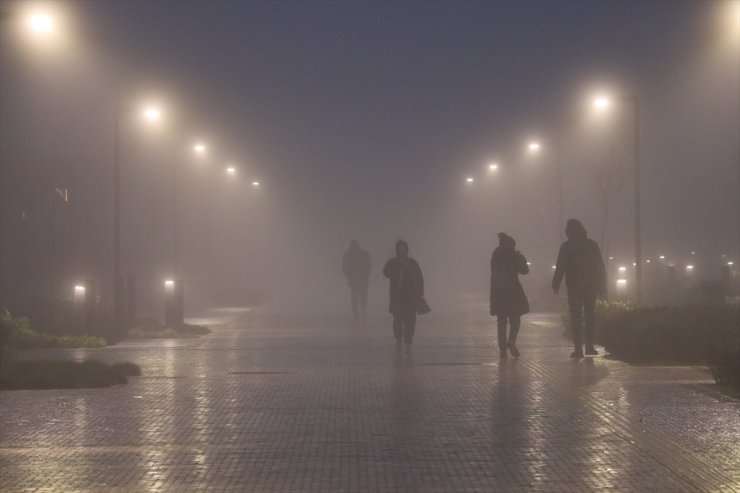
533 146
255 183
647 261
601 102
152 114
469 179
611 258
621 285
622 268
79 294
493 167
231 170
730 263
554 266
661 257
199 148
529 263
689 268
169 284
41 23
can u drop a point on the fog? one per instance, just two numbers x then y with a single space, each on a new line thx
360 121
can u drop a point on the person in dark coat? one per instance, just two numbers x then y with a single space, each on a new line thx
580 262
508 301
406 292
356 266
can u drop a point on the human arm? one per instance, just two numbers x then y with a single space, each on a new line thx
559 270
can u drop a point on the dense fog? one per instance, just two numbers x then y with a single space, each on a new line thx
362 121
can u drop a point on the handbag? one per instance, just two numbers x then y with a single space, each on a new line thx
423 307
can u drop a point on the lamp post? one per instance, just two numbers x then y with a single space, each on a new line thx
151 114
603 103
41 25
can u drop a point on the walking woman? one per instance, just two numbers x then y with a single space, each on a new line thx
406 294
508 301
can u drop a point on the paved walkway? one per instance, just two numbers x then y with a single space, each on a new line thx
277 403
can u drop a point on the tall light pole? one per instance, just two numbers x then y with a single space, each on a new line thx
603 103
151 114
41 25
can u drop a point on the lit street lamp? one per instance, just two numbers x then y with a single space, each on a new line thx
40 24
151 114
603 103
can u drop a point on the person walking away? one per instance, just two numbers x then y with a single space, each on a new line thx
406 293
579 260
356 266
508 301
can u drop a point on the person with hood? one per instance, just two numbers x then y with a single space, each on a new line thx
356 266
508 301
579 260
406 294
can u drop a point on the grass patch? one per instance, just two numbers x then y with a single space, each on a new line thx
46 374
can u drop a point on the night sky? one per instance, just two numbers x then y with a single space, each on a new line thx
362 120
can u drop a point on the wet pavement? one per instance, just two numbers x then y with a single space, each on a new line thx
271 403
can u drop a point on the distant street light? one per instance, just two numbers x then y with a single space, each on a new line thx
602 103
255 183
493 167
150 114
231 171
469 179
533 146
199 148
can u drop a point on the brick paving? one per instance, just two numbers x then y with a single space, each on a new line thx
271 403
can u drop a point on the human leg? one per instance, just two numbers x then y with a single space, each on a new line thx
398 327
363 302
354 295
501 327
589 305
514 323
575 303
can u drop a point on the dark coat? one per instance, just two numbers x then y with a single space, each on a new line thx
406 286
579 260
507 295
356 267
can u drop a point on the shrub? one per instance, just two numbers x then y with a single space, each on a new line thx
47 374
673 335
17 333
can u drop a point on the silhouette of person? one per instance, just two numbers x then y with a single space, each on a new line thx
406 291
579 260
508 301
356 266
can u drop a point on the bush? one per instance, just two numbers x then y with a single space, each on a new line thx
671 335
725 367
47 374
17 333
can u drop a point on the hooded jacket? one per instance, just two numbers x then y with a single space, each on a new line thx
579 260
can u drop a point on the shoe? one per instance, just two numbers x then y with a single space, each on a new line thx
502 353
591 351
577 354
513 349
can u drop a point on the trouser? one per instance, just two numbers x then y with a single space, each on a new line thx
515 321
582 309
404 325
358 300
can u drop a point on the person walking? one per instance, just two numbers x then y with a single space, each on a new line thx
579 260
508 301
406 294
356 266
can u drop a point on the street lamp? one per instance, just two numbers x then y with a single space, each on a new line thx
602 103
199 148
493 167
151 114
40 23
533 146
